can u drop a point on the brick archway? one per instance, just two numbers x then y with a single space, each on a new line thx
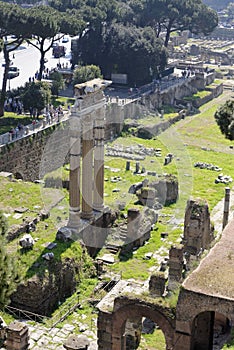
154 312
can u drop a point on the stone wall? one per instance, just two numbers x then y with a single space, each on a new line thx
193 311
31 157
198 231
41 293
111 325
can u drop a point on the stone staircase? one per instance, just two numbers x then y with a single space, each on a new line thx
117 240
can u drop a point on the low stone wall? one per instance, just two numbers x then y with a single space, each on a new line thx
29 225
30 157
147 132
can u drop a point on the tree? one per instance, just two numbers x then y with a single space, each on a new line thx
36 95
85 73
48 26
97 15
133 51
57 82
13 21
167 16
8 269
225 119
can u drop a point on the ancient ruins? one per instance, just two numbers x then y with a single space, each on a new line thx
204 310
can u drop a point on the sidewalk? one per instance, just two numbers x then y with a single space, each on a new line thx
30 129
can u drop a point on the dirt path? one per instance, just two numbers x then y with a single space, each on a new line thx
198 142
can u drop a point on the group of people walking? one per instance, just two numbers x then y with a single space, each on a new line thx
50 115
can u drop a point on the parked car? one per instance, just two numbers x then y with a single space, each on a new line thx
65 39
13 72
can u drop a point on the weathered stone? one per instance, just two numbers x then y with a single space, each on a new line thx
17 336
64 234
44 214
128 165
167 189
157 284
48 256
176 262
26 241
21 210
41 295
147 196
198 231
135 187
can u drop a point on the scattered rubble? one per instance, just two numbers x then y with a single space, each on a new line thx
207 166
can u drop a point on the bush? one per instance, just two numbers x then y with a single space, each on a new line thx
86 73
36 95
225 119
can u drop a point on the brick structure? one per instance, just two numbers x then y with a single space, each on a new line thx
115 311
176 260
17 336
157 284
198 232
207 293
206 301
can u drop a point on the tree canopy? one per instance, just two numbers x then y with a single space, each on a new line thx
36 94
116 34
48 26
119 36
225 119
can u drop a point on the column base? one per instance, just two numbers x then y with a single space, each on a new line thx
74 220
98 207
87 215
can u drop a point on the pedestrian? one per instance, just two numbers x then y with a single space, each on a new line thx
16 132
33 124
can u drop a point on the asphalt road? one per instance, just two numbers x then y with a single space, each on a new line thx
27 59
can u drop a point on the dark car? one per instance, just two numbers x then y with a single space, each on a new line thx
13 72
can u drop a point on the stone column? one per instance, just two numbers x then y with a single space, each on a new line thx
74 183
87 166
226 206
98 191
175 266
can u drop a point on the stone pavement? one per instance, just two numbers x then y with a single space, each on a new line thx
42 338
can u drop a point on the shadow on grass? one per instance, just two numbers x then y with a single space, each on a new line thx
41 266
125 254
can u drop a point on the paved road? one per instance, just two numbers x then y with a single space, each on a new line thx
27 59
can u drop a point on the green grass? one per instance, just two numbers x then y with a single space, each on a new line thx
149 341
198 95
11 120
